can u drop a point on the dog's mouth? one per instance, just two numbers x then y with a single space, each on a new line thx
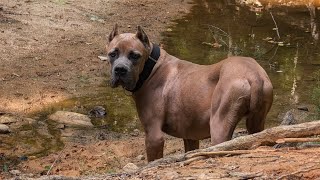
125 83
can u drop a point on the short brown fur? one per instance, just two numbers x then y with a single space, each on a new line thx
192 101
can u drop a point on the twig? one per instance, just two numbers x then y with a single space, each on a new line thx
218 153
189 161
274 54
245 175
296 140
54 162
215 32
224 33
275 23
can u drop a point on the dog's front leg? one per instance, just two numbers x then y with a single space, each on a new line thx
154 143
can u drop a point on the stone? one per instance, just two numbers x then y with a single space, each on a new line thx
130 168
303 108
30 120
98 112
141 157
7 119
103 58
23 158
61 126
135 132
71 118
15 172
288 119
4 129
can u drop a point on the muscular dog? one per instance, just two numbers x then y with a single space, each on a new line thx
184 99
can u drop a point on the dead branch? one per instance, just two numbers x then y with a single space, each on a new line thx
58 157
203 155
266 137
190 160
240 175
297 140
275 23
223 153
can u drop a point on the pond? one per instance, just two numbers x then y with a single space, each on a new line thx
281 38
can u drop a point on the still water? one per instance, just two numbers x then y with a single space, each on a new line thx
283 39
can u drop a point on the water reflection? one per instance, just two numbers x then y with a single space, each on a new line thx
282 37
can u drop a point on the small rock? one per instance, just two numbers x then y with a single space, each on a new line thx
30 121
130 168
94 17
103 58
15 172
7 119
129 26
141 157
61 126
71 118
98 112
32 157
135 132
288 119
4 129
169 30
23 158
303 108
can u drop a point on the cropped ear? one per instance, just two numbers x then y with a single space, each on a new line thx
113 33
142 36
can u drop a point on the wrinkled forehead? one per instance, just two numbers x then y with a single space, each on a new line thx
126 42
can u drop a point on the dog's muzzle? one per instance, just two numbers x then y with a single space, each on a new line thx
122 75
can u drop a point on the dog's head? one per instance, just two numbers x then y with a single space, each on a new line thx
127 54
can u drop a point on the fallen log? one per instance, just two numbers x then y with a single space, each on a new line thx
203 155
266 137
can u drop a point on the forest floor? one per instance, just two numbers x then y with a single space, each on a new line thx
49 53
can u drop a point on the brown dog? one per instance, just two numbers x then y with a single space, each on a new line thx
187 100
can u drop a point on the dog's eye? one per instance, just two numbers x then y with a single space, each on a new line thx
134 56
113 54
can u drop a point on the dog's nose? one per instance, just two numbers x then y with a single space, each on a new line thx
120 71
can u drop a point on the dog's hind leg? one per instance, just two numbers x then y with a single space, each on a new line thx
229 105
255 121
256 118
190 145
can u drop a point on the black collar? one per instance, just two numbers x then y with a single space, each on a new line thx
148 66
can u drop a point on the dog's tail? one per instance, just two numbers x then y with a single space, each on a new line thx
256 97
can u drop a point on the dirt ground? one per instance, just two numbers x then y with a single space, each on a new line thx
281 164
49 52
49 49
